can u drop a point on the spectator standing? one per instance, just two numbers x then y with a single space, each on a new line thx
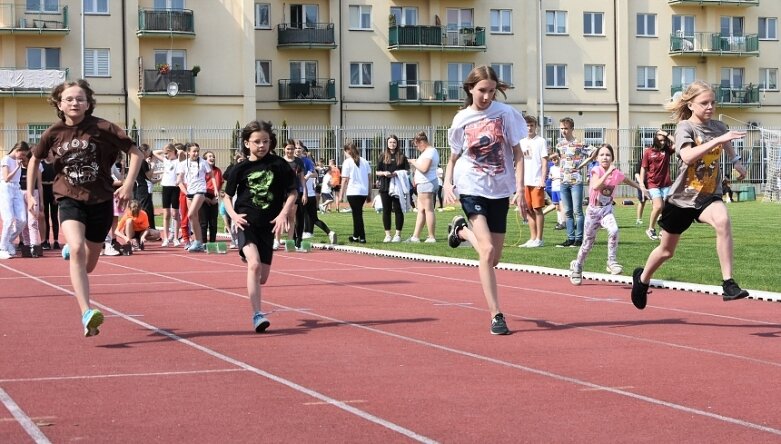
655 172
574 156
535 164
392 162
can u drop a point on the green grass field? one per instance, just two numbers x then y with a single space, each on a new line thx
756 229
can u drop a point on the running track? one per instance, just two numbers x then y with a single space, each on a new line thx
364 348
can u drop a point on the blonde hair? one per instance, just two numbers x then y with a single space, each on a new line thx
680 106
134 208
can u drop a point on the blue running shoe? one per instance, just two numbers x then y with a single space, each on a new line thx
92 319
260 322
66 252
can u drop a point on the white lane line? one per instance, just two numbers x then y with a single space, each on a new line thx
121 375
243 365
27 424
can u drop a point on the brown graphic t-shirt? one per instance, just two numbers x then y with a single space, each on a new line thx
83 156
697 183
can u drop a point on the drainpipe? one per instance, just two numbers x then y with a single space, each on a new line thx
124 63
341 67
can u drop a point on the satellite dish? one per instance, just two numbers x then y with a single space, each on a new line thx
172 89
677 96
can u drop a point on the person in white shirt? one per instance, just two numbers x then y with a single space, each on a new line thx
12 207
355 188
535 164
192 182
170 194
485 169
426 180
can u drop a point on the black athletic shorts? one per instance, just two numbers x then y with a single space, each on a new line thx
97 218
171 197
676 220
494 210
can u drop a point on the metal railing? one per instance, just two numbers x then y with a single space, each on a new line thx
318 34
715 2
427 91
156 82
17 17
739 95
436 37
166 20
714 43
313 90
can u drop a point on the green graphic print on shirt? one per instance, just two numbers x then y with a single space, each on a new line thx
259 185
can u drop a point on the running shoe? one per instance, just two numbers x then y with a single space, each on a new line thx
732 290
499 326
457 224
651 233
639 290
66 252
196 247
614 268
91 319
260 322
576 273
387 238
332 237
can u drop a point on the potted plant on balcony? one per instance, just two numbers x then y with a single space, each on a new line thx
163 68
196 69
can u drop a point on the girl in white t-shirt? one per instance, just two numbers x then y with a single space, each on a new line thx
192 181
170 162
485 169
427 183
12 207
355 186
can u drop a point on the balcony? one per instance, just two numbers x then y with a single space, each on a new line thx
436 38
427 92
15 19
154 83
744 3
169 23
736 96
714 44
319 35
309 91
30 82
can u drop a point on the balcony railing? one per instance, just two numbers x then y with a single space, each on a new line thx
714 43
309 91
431 92
319 35
736 96
155 83
14 81
16 19
714 2
436 38
169 22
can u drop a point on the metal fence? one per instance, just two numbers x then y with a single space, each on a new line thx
326 142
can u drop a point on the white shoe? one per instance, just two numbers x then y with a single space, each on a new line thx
535 243
615 268
306 235
396 239
576 273
276 245
332 237
176 242
109 250
387 239
164 243
527 244
4 255
414 240
430 240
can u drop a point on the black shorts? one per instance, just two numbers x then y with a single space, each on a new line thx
96 218
171 197
676 220
263 238
494 210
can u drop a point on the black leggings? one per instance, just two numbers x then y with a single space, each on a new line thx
356 205
207 216
306 219
391 204
50 216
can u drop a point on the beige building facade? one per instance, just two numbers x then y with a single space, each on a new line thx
213 64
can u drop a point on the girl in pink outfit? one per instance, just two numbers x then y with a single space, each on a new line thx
605 177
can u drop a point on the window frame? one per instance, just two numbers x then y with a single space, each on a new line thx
41 7
646 16
594 15
360 66
647 69
762 28
590 68
594 136
96 10
681 78
258 8
361 14
259 65
95 56
560 70
499 15
555 14
499 69
763 76
43 52
400 13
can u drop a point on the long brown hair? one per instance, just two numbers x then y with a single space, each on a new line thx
352 151
680 106
56 96
477 74
387 156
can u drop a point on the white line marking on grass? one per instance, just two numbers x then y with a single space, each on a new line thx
240 364
543 373
27 424
122 375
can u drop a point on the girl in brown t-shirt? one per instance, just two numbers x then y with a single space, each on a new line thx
84 148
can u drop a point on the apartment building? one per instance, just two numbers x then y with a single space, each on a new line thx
203 63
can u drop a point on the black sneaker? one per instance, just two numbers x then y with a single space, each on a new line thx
456 225
499 326
639 290
732 290
45 245
566 243
560 227
577 244
56 246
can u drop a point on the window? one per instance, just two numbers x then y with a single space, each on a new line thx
731 26
42 6
768 28
555 76
96 6
43 58
594 76
34 132
361 17
646 25
555 22
647 136
262 72
405 75
593 23
360 74
731 78
405 16
303 16
501 21
458 72
303 71
96 63
504 71
683 25
768 79
262 12
175 58
646 77
683 76
176 5
594 136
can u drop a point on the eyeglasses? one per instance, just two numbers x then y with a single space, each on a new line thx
74 99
